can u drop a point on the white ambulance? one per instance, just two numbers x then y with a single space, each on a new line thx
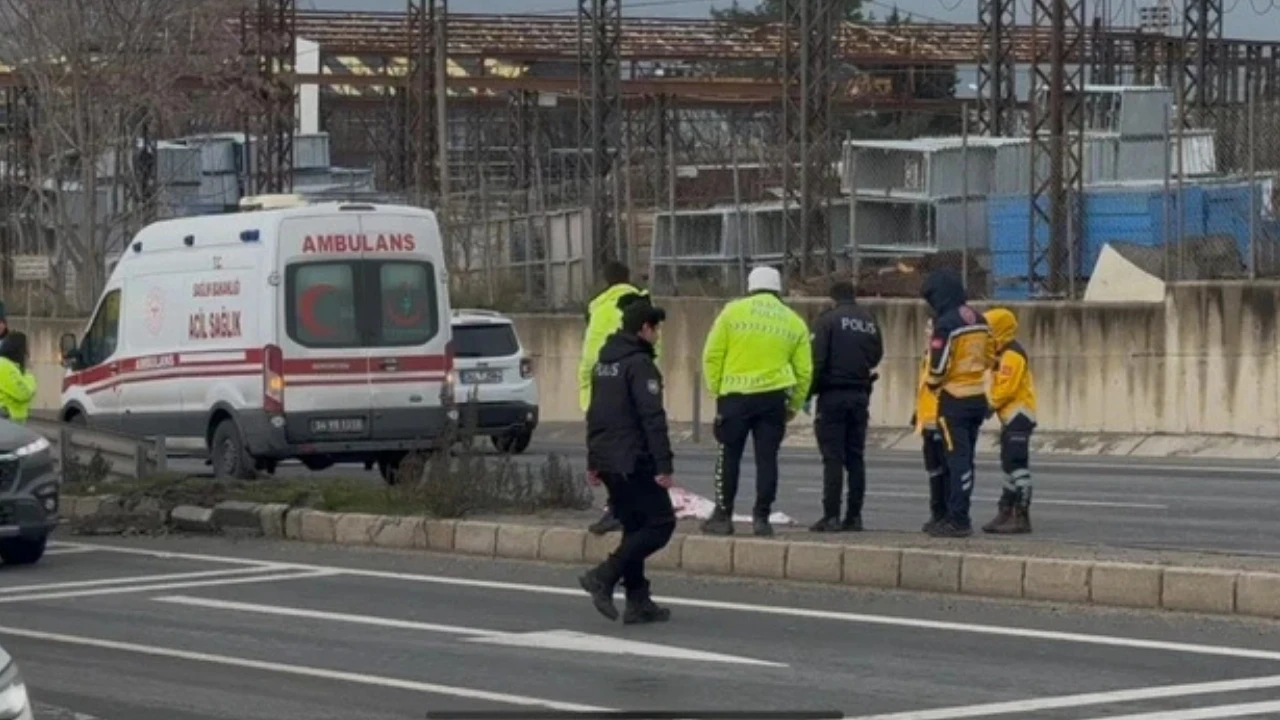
318 332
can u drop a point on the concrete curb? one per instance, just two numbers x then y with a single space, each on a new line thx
1123 585
1044 442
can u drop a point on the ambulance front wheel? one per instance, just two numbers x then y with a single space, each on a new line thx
230 457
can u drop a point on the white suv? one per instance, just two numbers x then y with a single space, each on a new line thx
495 387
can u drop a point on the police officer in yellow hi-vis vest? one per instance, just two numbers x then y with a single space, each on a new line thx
604 318
758 365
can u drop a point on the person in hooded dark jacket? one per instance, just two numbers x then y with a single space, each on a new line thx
629 451
961 351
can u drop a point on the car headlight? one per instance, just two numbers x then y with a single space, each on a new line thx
13 693
35 447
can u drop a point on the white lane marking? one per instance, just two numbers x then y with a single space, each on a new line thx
1208 713
584 642
301 575
133 580
1039 500
1060 702
299 670
321 615
885 620
55 550
548 640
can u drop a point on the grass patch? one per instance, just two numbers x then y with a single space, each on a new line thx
440 485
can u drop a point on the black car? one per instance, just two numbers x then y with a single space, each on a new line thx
29 494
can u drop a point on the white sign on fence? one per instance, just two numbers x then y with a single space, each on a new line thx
31 267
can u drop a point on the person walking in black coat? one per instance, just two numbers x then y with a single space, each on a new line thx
629 451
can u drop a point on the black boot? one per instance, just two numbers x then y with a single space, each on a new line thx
762 527
826 525
599 583
852 523
641 609
606 524
720 523
948 528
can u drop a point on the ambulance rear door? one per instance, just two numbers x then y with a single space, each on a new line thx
409 335
323 348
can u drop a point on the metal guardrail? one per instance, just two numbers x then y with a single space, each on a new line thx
127 456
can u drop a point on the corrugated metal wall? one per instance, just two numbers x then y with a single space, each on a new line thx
1130 215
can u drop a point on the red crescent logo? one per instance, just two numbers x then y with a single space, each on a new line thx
307 310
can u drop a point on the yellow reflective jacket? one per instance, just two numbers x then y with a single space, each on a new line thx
757 345
926 398
17 390
1013 389
603 319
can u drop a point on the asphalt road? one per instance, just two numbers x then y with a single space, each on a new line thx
1164 503
205 629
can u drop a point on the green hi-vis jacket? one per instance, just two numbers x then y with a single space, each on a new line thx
17 390
758 345
604 318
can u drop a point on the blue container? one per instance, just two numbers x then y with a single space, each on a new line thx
1133 214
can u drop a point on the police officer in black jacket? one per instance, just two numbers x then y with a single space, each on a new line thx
629 452
847 347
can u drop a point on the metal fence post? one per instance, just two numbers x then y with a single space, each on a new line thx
64 448
697 406
161 450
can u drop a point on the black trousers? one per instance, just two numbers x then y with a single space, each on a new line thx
763 417
1015 461
648 521
959 426
935 464
841 430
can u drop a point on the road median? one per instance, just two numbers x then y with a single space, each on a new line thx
1229 588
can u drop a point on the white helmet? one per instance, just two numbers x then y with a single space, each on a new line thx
764 278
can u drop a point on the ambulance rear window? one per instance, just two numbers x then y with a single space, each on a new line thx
361 303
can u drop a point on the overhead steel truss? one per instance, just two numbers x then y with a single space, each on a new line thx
997 67
270 43
807 61
1057 147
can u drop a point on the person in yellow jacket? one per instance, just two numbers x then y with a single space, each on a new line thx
1012 397
604 318
17 384
758 364
925 422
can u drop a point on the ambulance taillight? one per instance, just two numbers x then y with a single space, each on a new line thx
273 380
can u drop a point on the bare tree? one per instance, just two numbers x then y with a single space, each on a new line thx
101 80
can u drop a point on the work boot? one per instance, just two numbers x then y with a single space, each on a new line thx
826 525
762 527
599 583
852 523
1022 521
1003 517
606 524
641 609
720 523
950 529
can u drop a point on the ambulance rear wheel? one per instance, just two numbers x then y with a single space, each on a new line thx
230 458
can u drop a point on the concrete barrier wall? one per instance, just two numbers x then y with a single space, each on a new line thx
1206 360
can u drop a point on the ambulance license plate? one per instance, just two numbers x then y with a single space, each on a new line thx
481 377
337 426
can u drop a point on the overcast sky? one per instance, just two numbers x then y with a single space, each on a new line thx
1254 19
